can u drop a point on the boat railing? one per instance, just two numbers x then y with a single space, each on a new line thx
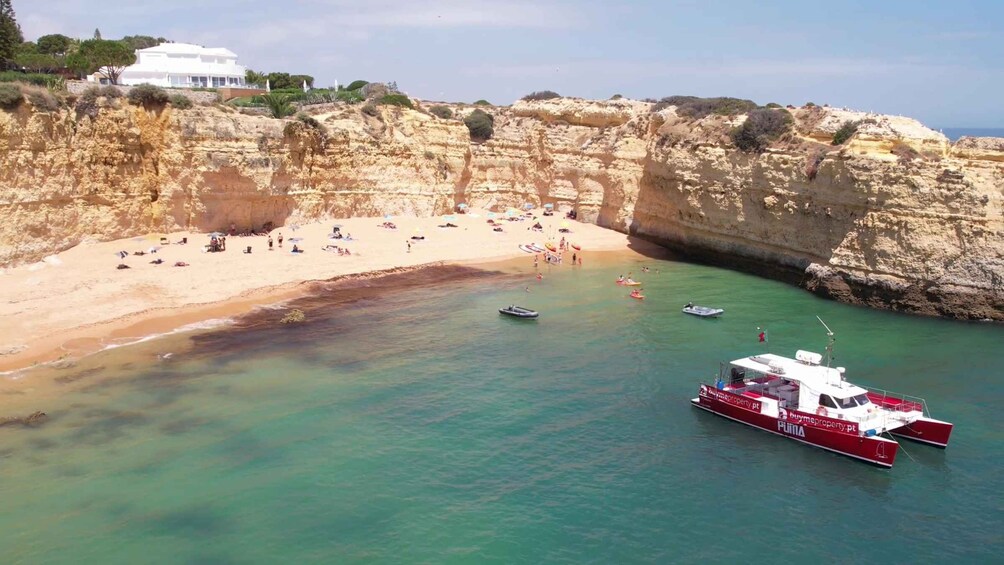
895 401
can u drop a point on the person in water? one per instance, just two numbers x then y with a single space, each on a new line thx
620 278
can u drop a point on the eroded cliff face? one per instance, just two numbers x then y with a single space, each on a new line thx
897 217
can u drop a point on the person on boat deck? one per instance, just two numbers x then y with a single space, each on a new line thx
690 305
620 278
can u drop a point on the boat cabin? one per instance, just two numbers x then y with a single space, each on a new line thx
802 384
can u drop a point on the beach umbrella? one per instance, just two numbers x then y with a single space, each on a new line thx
549 206
528 206
387 216
564 224
449 217
216 234
296 239
491 214
462 206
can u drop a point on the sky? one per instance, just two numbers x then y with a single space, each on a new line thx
938 61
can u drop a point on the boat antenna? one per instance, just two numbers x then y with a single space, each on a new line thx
829 342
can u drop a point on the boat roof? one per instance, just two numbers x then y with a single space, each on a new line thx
805 368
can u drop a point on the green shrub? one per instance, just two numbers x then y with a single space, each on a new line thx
148 95
180 101
38 79
482 102
396 100
441 112
87 104
772 105
696 107
761 127
845 132
616 97
541 95
481 124
356 84
351 96
10 96
310 122
810 104
41 99
110 92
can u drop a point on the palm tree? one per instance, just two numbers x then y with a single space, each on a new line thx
278 105
254 78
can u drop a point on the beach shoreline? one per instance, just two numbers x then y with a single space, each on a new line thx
88 314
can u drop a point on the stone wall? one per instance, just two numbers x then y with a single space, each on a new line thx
196 96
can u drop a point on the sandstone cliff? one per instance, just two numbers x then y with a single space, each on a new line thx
897 217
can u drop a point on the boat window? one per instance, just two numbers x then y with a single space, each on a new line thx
862 400
825 400
846 403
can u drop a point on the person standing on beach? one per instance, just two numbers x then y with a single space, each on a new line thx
280 240
409 246
270 243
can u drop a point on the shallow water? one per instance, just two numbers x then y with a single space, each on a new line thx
420 426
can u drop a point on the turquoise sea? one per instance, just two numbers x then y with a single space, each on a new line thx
407 422
955 133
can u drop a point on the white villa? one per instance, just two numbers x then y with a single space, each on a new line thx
184 65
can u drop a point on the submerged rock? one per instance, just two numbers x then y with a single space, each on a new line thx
32 419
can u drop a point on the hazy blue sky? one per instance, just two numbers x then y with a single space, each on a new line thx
938 61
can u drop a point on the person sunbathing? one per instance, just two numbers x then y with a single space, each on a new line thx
181 264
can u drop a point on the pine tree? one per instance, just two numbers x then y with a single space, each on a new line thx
10 33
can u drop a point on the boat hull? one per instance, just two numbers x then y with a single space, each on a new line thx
521 313
798 426
926 430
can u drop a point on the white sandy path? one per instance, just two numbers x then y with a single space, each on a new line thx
82 288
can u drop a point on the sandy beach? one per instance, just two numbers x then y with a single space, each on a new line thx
79 301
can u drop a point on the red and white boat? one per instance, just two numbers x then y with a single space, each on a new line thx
812 403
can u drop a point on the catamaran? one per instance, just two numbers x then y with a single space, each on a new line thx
812 403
